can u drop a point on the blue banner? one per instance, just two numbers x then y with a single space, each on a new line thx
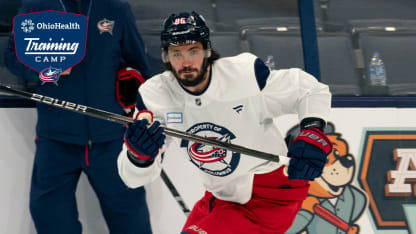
50 42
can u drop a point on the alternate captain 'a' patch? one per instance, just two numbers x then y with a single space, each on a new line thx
212 160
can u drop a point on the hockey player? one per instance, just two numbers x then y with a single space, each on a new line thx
234 100
67 143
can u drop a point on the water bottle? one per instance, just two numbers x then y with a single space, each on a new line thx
377 71
270 62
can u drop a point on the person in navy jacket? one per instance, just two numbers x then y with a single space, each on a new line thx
68 143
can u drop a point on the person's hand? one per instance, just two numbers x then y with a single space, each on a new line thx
143 142
308 154
66 72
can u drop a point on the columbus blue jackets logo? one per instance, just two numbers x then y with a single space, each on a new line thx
212 160
105 25
50 74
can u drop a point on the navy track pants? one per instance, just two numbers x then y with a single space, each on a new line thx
56 171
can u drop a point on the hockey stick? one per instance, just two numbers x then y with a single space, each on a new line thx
175 193
94 113
90 111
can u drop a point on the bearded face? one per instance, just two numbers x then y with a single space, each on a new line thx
189 63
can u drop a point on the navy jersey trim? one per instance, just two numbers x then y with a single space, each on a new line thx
202 91
139 102
262 72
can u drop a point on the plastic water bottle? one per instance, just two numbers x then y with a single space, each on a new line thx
270 62
377 71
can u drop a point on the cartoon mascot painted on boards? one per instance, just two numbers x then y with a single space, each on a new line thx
333 204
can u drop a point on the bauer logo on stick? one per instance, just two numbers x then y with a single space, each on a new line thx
58 103
50 42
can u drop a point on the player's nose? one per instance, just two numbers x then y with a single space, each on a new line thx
186 62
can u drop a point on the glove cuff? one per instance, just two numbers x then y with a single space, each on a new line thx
145 114
313 122
138 162
134 152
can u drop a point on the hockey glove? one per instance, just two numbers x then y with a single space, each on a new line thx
127 84
143 143
309 153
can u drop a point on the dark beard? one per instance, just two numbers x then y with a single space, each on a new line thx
198 79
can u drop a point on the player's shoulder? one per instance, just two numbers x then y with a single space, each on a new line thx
243 58
295 73
160 88
240 64
243 63
154 83
236 73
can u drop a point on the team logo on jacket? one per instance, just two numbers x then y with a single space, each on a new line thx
212 160
50 74
105 25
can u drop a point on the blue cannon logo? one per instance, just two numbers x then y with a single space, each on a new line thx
50 74
209 159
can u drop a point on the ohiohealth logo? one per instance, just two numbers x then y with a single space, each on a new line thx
27 25
56 42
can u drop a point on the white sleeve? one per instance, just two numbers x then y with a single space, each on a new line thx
294 91
134 176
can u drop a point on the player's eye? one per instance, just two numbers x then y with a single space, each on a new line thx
193 52
176 54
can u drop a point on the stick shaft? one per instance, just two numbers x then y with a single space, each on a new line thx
175 193
93 112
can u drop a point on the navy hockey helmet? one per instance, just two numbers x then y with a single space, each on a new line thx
185 28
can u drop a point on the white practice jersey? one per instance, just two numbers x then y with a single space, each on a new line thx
235 108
